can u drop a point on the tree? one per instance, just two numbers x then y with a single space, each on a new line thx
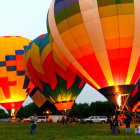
29 110
3 114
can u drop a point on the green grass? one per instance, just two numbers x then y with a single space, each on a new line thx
20 131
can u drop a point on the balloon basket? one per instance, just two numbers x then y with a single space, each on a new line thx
13 119
65 112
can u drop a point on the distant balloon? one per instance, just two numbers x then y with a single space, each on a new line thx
14 84
56 81
100 38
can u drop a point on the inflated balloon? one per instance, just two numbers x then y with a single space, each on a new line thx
100 38
133 103
55 81
41 101
14 84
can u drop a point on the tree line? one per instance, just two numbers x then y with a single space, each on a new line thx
78 110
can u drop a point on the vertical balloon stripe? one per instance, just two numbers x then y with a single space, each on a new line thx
89 11
110 29
62 46
118 18
126 30
136 74
135 55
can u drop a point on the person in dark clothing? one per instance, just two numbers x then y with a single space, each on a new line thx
63 120
111 123
115 126
67 119
127 124
73 120
33 123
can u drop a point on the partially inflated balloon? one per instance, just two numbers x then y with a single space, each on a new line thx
56 81
14 84
100 38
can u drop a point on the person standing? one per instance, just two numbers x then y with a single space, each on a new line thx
127 124
115 126
63 120
33 123
111 124
73 120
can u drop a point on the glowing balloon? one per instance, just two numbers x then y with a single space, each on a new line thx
100 38
14 84
55 81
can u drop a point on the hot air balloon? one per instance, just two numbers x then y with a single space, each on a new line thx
100 38
14 84
54 80
41 101
133 102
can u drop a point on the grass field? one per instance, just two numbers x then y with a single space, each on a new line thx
20 131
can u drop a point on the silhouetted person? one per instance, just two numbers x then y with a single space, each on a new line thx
115 126
33 123
127 124
111 123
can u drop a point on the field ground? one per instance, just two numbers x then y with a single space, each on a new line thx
44 131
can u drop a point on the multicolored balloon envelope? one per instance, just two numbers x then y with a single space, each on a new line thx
14 84
56 82
100 38
41 101
133 102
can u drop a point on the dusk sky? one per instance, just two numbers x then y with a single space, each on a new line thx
27 18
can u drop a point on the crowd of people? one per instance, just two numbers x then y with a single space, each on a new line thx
68 120
114 125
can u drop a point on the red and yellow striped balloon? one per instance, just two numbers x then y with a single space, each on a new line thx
100 38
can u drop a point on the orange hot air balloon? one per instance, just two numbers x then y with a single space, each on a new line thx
54 80
100 39
14 84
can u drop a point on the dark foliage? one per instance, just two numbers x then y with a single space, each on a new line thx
78 110
95 108
3 114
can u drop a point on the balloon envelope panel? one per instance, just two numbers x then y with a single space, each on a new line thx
41 101
100 38
13 82
133 103
52 77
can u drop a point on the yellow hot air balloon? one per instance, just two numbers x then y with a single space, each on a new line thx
14 84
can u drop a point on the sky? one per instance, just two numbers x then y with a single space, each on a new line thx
27 18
